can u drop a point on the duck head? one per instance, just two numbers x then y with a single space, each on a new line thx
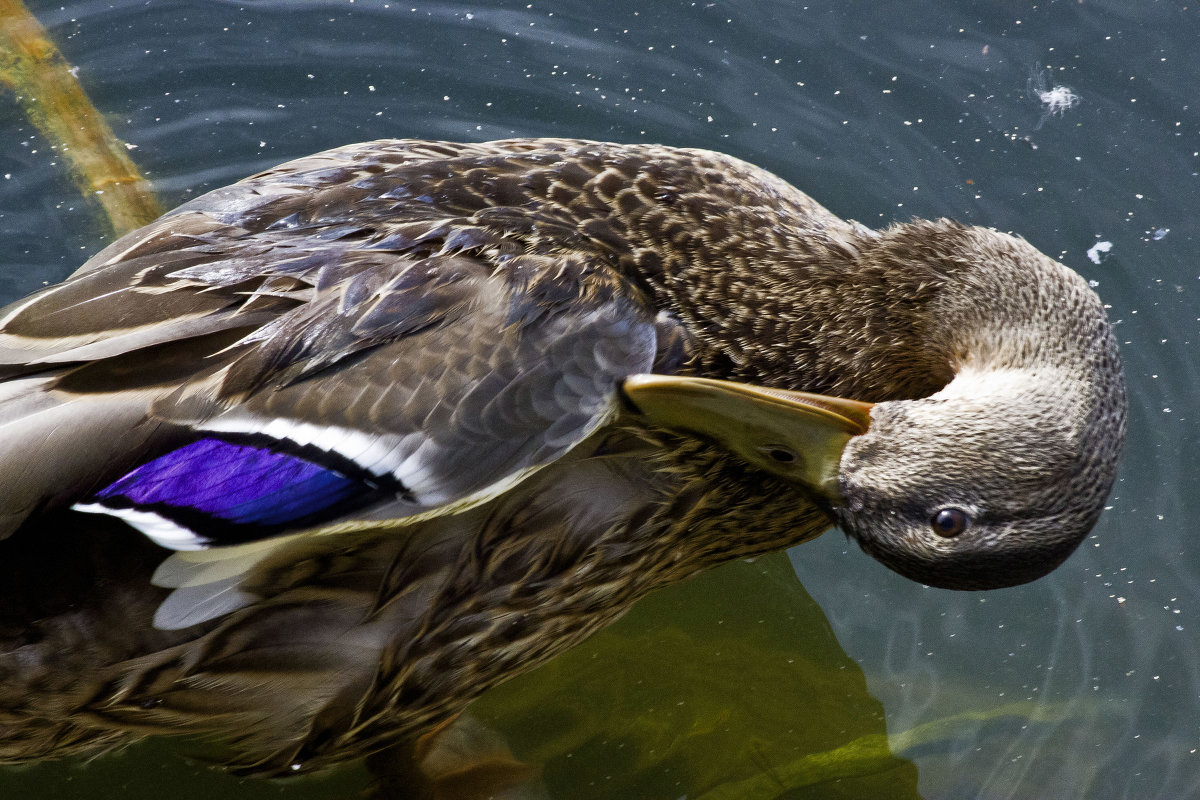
997 477
990 481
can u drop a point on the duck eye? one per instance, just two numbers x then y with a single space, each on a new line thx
950 522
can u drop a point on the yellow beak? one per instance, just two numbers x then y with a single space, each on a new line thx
796 435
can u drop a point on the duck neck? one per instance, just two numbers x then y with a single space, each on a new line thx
829 308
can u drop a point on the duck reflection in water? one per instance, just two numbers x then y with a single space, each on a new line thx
416 416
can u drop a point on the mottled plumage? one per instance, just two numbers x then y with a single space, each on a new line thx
393 398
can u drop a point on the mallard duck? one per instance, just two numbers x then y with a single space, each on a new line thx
406 418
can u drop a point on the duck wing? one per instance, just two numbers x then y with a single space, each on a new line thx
312 346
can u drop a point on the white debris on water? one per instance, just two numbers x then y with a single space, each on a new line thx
1058 100
1095 252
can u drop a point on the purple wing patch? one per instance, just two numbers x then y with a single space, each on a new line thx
235 484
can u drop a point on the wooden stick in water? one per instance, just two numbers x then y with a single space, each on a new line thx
43 82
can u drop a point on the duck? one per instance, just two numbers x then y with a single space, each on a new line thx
342 445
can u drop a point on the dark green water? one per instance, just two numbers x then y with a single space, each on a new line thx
881 111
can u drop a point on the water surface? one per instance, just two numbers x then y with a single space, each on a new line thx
1085 684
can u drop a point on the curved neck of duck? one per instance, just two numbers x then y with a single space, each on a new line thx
725 245
880 315
1004 319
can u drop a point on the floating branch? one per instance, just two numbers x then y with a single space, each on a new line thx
43 82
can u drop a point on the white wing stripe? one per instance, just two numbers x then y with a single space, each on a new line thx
159 529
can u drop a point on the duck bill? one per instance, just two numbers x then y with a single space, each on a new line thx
796 435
